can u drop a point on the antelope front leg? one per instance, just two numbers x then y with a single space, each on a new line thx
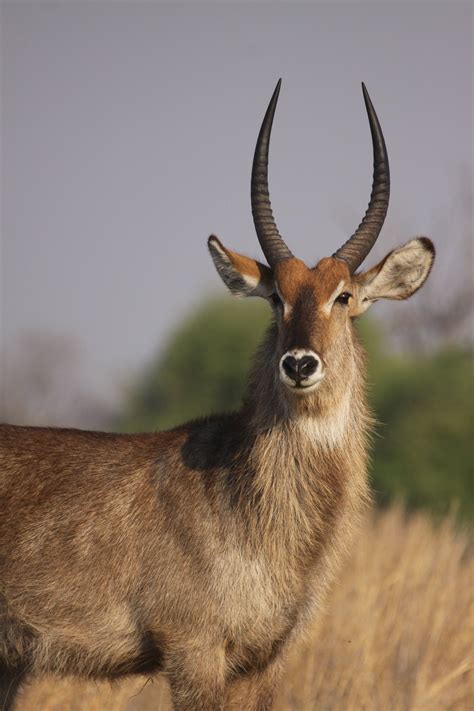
256 691
197 679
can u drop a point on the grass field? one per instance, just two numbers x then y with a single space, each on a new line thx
398 634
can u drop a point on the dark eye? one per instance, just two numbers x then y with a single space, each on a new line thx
275 299
344 297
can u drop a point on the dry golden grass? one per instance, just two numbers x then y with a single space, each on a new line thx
398 634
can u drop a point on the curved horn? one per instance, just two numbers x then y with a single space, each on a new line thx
357 247
273 246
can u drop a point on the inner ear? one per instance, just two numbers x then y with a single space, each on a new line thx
399 275
242 275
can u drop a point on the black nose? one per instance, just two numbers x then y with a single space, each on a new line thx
299 369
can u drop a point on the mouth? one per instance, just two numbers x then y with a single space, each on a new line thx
302 388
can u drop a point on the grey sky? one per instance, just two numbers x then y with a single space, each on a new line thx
128 131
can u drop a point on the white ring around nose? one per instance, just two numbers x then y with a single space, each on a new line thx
311 382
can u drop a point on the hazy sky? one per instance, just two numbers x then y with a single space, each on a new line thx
128 130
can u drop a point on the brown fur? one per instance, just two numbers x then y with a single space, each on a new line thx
201 552
246 265
293 274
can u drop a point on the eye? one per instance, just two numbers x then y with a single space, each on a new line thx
344 298
275 299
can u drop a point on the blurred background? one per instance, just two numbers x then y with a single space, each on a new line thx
127 137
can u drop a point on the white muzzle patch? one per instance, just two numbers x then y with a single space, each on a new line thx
301 370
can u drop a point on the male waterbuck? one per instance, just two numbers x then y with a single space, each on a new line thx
204 551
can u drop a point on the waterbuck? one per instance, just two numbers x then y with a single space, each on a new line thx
204 551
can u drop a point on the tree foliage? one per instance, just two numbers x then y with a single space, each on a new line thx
203 368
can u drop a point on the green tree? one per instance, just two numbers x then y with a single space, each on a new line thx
423 451
203 369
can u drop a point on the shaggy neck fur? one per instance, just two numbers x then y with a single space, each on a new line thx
309 453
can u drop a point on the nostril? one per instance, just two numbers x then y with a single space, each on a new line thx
307 366
290 366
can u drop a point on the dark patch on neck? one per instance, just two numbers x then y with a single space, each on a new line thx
219 448
214 442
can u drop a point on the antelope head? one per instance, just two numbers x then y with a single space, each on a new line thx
314 306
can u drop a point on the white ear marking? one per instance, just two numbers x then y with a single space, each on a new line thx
215 244
251 281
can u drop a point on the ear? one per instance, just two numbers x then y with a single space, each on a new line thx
242 276
398 276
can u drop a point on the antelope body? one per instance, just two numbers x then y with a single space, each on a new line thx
204 551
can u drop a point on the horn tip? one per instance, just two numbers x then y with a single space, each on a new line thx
368 102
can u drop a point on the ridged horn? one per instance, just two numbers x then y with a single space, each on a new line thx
357 247
273 246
